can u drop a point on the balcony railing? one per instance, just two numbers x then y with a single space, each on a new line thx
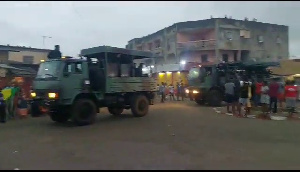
201 44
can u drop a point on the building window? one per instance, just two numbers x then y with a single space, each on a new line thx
229 35
235 56
28 59
150 46
157 44
260 39
245 34
139 48
168 45
278 40
225 58
204 58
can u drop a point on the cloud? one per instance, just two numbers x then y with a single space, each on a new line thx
77 25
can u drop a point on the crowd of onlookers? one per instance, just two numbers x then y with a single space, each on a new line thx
165 91
244 94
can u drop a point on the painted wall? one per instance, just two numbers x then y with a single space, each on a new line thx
37 56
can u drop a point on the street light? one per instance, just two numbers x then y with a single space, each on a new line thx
44 38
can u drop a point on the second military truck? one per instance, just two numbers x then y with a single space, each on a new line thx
76 88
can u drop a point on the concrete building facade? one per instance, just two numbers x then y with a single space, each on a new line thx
212 41
25 55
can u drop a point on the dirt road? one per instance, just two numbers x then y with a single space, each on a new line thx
173 136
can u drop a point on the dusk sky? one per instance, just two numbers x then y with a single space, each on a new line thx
78 25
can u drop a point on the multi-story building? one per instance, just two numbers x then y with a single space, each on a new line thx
212 41
24 55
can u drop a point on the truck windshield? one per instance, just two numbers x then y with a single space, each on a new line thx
194 73
48 70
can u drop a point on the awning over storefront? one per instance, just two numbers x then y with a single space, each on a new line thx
19 72
287 67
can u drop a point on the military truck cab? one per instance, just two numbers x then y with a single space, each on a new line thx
105 77
206 83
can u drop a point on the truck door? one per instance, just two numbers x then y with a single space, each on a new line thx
72 80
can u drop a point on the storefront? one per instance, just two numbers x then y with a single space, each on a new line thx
173 73
20 77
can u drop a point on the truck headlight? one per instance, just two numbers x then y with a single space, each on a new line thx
52 95
187 91
33 94
195 92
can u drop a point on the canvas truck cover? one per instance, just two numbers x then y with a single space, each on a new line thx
89 52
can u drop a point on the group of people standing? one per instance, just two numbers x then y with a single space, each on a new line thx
164 90
240 94
15 103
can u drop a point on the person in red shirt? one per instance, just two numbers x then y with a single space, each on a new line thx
273 93
291 93
258 86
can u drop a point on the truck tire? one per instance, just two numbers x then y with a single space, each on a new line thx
115 111
60 115
214 98
84 112
139 105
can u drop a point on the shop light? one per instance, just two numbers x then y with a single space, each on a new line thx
169 72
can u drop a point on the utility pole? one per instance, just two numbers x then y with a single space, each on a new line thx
44 38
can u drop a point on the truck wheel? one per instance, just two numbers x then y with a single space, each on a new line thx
214 98
139 105
115 111
84 112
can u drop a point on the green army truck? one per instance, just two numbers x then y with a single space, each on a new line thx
206 83
104 77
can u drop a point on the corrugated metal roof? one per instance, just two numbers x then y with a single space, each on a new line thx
18 71
102 49
20 48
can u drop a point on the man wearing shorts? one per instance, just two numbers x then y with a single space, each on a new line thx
229 95
290 97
